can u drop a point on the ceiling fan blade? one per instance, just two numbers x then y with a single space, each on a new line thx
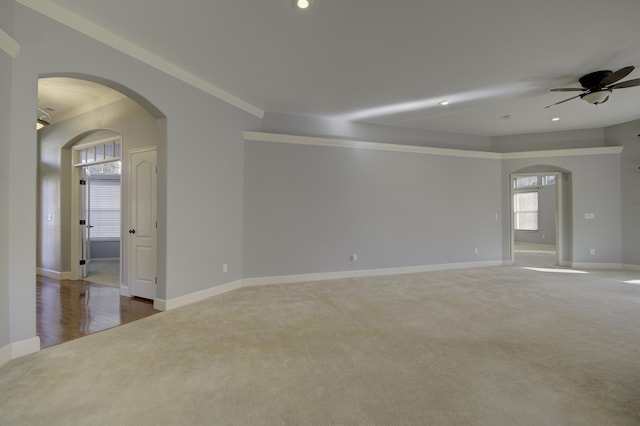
628 83
561 102
569 89
618 75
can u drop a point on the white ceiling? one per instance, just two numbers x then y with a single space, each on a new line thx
62 97
391 62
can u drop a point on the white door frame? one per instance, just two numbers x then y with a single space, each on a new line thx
76 205
559 213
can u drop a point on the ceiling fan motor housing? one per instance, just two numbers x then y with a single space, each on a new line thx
593 80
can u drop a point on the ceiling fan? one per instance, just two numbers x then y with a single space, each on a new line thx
598 85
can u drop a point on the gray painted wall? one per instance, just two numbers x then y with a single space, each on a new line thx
6 24
326 127
626 135
595 188
553 140
308 208
21 201
546 233
105 249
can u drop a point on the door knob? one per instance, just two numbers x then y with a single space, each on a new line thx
132 231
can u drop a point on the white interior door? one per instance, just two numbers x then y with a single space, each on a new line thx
142 224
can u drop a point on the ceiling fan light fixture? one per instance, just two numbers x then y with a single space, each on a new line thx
44 119
597 97
40 124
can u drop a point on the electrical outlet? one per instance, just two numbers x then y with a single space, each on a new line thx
353 257
224 267
475 250
592 252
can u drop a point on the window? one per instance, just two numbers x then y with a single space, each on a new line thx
526 210
525 182
534 181
525 199
104 206
100 152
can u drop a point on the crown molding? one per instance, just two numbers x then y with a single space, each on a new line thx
8 44
100 102
344 143
88 28
599 150
376 146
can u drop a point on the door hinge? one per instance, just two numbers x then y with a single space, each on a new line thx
83 222
83 182
156 280
156 224
83 262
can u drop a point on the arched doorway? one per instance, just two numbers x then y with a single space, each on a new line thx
540 207
104 118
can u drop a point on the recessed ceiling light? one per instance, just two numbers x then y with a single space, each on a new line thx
444 103
302 4
555 119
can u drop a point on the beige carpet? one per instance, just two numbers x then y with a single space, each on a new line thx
490 346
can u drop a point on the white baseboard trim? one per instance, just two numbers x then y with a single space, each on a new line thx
25 347
105 259
18 349
589 265
56 275
159 304
323 276
629 267
535 248
166 305
124 290
5 355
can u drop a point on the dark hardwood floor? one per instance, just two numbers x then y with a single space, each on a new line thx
67 310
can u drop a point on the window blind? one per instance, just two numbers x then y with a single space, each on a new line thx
104 206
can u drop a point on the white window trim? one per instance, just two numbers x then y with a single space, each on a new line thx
77 148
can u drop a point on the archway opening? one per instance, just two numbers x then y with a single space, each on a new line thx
540 206
87 117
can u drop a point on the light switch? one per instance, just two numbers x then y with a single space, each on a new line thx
589 216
